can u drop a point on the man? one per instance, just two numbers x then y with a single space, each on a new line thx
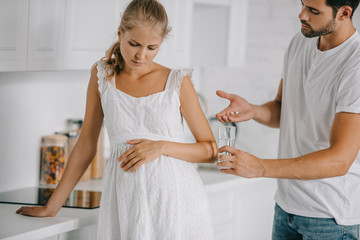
317 109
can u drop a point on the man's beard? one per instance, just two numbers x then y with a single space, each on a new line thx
327 29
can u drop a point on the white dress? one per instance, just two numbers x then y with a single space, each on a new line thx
163 199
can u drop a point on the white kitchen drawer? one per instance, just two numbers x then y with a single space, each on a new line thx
222 207
224 231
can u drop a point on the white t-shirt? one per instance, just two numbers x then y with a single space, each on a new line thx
316 86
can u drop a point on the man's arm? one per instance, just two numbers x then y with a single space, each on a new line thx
269 113
331 162
240 110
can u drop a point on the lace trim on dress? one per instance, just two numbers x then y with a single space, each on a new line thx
179 76
101 76
174 81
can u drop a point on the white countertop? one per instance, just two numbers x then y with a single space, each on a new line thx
15 227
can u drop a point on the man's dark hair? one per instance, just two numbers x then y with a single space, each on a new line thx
337 4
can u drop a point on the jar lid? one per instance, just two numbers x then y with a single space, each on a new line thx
69 134
74 124
55 138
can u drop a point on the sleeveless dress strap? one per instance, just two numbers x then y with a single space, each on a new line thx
176 77
102 79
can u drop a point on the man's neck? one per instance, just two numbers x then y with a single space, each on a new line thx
336 38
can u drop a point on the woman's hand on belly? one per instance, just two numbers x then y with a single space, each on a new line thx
142 152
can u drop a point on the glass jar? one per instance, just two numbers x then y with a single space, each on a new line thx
53 158
74 129
74 124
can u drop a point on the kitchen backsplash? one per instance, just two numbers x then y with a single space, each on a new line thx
34 104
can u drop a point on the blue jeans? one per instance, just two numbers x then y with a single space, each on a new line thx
293 227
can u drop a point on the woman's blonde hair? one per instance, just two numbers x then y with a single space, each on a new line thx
138 13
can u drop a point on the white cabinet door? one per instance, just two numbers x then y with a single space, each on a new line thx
175 49
46 33
255 210
222 205
243 211
90 29
13 34
231 44
73 34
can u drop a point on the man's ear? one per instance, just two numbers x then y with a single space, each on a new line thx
344 13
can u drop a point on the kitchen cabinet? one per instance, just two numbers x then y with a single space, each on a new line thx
89 32
241 209
41 35
90 29
220 30
46 35
175 49
13 34
56 34
73 34
178 49
31 34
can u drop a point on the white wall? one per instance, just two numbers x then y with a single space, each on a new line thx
34 104
356 19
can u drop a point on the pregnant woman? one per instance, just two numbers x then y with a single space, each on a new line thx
152 189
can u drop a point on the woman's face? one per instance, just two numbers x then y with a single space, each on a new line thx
139 46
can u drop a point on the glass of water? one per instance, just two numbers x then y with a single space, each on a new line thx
227 136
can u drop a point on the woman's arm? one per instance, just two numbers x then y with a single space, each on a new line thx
81 156
203 151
